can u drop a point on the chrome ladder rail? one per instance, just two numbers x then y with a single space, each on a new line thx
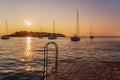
46 52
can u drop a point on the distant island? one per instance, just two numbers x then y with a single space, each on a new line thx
34 34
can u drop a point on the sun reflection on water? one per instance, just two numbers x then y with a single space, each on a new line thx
29 68
28 55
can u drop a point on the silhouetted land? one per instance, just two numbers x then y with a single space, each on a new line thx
34 34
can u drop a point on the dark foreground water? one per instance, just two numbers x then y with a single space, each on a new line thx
22 58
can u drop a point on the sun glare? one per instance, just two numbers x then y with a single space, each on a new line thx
28 23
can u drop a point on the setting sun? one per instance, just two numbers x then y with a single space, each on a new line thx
27 23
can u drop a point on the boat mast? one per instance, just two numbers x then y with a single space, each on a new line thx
90 30
77 25
93 30
41 29
53 26
6 27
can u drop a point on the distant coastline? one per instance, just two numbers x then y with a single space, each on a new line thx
101 36
46 34
33 34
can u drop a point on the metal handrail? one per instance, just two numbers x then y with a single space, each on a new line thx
46 58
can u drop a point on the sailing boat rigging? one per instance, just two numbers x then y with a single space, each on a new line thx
40 36
5 37
91 36
53 35
76 36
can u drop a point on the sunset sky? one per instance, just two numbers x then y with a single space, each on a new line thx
104 15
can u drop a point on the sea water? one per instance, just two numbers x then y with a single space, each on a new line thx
22 57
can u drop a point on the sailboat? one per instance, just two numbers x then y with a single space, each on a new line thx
53 35
76 36
91 36
5 37
40 36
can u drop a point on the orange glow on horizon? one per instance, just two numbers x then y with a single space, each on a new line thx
68 30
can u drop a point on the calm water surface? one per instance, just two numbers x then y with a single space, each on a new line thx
26 54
